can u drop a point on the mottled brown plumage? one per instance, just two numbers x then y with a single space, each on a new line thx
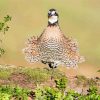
52 47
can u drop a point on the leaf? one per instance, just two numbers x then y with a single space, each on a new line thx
6 29
1 26
7 18
2 51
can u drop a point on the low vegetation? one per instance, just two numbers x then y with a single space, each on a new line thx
26 83
46 93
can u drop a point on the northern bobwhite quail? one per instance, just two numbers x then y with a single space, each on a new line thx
52 47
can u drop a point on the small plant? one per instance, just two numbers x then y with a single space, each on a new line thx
9 92
20 93
39 93
3 28
92 94
2 51
92 90
61 83
47 93
5 96
53 94
3 25
72 95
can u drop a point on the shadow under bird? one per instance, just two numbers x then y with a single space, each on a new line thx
52 47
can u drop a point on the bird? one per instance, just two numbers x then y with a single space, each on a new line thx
52 47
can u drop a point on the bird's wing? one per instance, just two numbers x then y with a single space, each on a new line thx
31 50
73 45
73 50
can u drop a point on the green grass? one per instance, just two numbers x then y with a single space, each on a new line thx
41 75
37 75
5 71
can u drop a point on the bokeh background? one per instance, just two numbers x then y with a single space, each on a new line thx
79 19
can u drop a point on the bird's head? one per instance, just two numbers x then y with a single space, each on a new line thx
52 17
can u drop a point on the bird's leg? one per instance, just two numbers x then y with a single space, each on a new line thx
54 65
51 65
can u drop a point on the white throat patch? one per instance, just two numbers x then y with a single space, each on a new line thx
53 19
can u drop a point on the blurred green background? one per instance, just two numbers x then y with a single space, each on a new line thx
79 19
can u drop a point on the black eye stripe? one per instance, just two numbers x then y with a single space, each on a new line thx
56 14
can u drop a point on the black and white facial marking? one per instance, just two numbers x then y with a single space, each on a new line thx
52 17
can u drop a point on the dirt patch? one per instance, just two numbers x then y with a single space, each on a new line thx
21 80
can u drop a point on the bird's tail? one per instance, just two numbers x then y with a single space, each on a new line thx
31 50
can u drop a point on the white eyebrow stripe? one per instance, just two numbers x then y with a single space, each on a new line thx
49 12
53 12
